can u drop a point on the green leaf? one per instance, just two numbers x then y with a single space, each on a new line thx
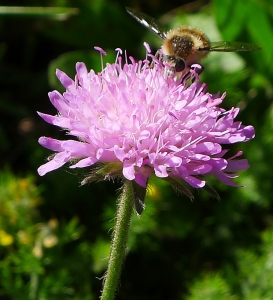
61 13
229 17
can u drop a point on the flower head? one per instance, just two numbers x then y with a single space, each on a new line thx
138 122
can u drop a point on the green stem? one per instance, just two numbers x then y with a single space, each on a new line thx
118 247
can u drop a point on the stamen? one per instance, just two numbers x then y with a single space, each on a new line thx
102 52
119 53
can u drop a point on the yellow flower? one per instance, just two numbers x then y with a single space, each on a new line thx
5 238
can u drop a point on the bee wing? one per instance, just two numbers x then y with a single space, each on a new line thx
148 22
230 47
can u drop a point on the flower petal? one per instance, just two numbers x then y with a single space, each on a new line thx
147 122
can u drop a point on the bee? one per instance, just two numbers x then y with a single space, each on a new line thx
184 46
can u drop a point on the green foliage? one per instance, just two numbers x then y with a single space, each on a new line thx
55 235
251 277
234 24
212 287
32 260
255 270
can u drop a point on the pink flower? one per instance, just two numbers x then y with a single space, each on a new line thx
140 122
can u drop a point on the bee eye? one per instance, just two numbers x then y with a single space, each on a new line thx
179 65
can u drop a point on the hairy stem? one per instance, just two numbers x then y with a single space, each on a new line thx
119 241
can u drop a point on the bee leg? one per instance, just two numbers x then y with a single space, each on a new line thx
198 69
157 56
186 77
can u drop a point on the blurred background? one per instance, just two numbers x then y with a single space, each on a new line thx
55 235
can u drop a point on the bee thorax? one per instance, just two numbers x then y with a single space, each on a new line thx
185 42
180 46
